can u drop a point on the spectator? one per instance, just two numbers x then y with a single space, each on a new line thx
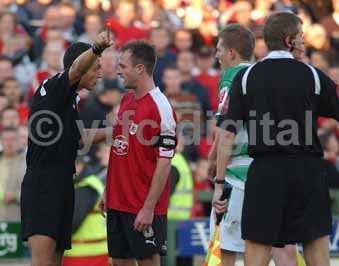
14 41
331 150
88 223
147 15
23 138
12 169
10 118
98 107
23 15
67 18
123 26
307 17
261 11
11 89
284 6
320 60
184 103
260 49
3 102
207 75
102 156
6 68
208 29
50 65
93 26
240 12
50 22
102 8
201 184
170 10
109 63
183 40
331 22
38 8
316 38
185 62
160 39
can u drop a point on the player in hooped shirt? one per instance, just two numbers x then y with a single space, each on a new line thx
143 144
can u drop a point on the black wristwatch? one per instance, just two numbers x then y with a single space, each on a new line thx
96 49
218 181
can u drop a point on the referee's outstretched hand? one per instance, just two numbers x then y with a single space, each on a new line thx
104 39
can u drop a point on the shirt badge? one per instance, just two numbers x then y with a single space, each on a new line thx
133 129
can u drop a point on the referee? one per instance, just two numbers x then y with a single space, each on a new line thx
47 196
286 193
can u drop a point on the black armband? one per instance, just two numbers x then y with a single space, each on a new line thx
169 142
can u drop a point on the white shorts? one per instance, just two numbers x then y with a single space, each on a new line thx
230 226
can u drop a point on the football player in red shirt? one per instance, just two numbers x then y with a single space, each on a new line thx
144 141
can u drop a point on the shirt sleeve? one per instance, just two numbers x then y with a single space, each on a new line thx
54 92
167 139
84 201
329 97
233 113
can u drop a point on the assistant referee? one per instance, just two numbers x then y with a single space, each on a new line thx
286 193
47 195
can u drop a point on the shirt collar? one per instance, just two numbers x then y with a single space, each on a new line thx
279 54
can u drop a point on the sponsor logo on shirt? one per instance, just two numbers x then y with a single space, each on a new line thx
120 145
133 129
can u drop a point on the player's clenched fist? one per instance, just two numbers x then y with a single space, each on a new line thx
103 41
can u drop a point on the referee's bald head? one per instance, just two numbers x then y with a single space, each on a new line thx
73 52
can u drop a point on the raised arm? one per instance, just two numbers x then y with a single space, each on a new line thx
81 65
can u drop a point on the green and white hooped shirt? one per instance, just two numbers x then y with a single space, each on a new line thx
236 171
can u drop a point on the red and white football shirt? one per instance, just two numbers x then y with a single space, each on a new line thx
144 131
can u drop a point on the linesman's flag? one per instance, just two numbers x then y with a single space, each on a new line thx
213 256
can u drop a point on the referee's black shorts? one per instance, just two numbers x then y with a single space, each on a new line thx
47 204
286 201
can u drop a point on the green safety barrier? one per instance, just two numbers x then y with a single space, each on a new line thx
11 245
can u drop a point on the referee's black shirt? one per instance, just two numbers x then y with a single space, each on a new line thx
53 132
280 98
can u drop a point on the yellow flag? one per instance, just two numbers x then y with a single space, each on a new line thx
213 256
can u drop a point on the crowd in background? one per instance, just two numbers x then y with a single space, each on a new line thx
35 33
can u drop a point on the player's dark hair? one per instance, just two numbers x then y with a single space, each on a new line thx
142 53
73 52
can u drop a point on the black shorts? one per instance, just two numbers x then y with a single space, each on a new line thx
126 243
286 201
47 203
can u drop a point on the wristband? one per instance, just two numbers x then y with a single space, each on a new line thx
97 50
218 181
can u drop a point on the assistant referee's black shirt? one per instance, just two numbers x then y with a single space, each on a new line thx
274 98
53 131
